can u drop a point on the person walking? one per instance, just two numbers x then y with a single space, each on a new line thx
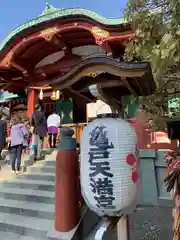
39 130
3 134
18 140
53 123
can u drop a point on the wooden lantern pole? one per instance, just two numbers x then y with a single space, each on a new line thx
123 229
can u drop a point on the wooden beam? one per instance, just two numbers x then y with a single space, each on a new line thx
17 78
59 66
80 95
20 84
2 85
3 81
140 88
123 229
28 74
126 83
68 52
110 83
18 67
56 40
106 47
105 84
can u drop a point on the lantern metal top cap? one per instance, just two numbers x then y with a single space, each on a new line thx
108 115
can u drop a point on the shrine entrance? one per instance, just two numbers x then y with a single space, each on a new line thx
48 107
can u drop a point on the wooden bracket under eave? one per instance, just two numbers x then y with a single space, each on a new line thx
79 94
59 42
18 67
126 83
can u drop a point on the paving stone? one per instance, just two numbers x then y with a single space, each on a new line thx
150 223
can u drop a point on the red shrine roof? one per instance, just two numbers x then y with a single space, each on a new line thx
59 32
71 49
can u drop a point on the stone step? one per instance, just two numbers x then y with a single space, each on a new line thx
51 156
30 184
44 169
40 210
50 163
27 195
12 236
45 164
26 226
27 203
38 176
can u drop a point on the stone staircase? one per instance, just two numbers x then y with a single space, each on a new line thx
27 202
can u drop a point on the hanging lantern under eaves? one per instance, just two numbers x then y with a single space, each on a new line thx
110 166
41 95
57 94
53 96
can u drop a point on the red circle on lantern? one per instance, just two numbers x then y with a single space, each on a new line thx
135 176
131 159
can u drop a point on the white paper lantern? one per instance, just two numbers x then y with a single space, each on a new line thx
110 166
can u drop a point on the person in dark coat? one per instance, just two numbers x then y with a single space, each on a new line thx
39 124
3 134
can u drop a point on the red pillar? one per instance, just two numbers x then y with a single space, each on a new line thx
32 101
67 211
142 133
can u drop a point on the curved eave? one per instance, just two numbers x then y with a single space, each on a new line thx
139 74
61 14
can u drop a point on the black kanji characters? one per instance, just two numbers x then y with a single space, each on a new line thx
99 165
99 138
100 168
105 201
102 186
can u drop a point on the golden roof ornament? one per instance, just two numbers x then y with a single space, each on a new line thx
47 34
50 31
100 35
99 32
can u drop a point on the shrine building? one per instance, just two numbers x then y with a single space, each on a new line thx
66 59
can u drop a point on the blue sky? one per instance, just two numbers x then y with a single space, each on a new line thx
15 12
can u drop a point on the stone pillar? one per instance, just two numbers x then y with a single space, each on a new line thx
67 211
32 101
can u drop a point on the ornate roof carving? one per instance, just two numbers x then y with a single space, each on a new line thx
52 13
